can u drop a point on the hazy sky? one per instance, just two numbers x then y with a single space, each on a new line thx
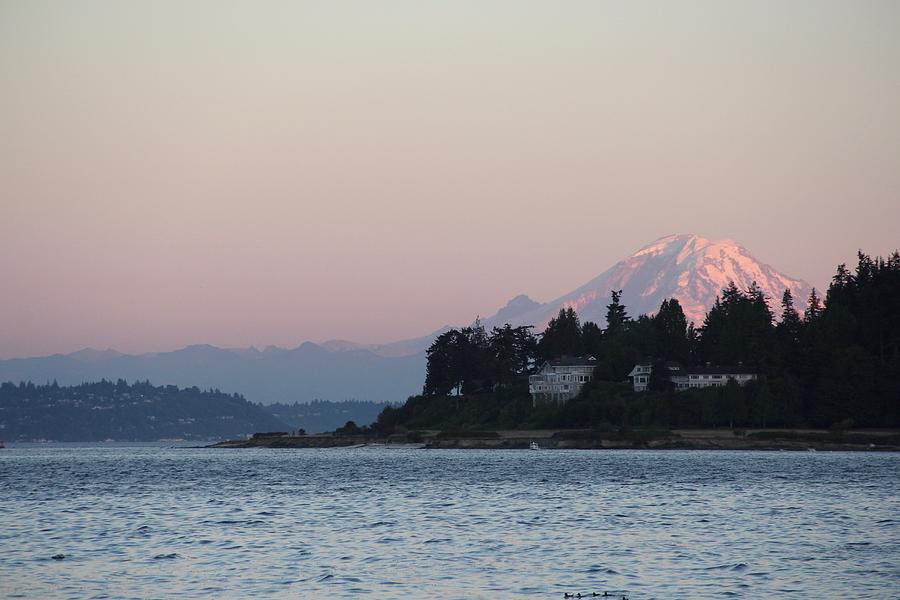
262 173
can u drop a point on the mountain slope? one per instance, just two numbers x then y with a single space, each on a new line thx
688 267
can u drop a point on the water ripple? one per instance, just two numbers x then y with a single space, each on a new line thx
134 522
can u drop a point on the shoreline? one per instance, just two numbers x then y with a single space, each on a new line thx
702 439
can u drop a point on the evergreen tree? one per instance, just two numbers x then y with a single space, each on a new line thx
476 365
447 364
591 338
476 334
671 331
789 334
813 307
790 324
562 336
513 351
616 315
738 328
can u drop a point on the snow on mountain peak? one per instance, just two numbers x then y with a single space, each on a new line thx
685 266
694 270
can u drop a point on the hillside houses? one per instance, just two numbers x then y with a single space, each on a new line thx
691 377
561 379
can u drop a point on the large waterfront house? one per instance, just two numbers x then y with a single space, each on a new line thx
561 379
692 377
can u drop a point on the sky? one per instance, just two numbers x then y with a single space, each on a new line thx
264 172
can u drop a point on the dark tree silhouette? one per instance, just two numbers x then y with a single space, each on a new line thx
616 315
837 366
671 329
562 336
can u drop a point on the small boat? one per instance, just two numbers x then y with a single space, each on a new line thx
533 446
2 445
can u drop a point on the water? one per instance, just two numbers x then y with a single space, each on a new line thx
154 522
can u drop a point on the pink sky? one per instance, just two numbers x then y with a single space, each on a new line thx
268 173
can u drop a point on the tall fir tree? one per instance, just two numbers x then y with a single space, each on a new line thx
671 329
789 325
813 307
616 315
562 335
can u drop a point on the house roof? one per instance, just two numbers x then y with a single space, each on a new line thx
671 365
717 370
572 361
676 368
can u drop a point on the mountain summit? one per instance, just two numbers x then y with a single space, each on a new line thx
688 267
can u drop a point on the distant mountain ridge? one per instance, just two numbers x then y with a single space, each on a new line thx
392 349
688 267
303 374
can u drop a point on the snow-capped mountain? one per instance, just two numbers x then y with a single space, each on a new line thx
688 267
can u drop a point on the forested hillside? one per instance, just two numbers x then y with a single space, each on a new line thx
832 364
118 411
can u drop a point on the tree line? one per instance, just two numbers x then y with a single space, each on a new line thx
140 411
832 363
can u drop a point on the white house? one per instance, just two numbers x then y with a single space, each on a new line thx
693 377
561 379
640 374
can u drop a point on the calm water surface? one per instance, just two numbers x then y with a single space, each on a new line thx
140 522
